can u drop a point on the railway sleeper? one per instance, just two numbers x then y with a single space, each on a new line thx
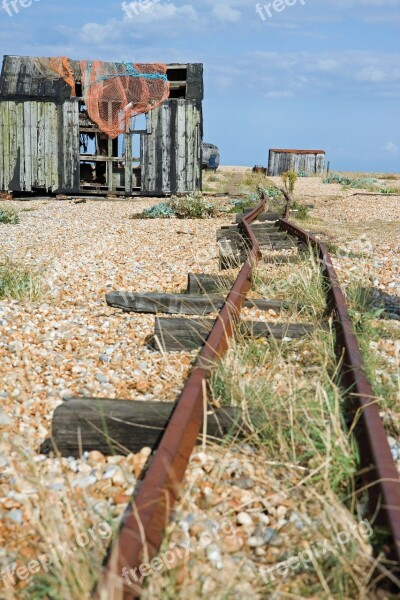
110 425
176 334
174 304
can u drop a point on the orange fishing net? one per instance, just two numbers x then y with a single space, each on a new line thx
60 64
115 92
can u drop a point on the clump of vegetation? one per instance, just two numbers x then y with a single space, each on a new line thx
368 183
302 211
239 206
191 206
289 179
9 215
158 211
273 192
254 180
302 283
19 281
389 190
303 174
365 310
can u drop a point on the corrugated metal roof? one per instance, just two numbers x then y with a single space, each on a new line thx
282 151
21 79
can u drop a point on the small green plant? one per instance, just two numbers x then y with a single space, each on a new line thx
192 206
19 281
303 174
368 183
158 211
9 215
389 191
273 192
302 211
289 179
240 205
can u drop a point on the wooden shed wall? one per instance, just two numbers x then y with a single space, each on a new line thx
279 162
39 146
172 152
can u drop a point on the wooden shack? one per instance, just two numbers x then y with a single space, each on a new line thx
49 144
306 161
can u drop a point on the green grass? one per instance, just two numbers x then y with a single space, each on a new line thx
9 215
365 314
20 282
301 283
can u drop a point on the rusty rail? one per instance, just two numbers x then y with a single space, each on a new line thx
378 470
148 514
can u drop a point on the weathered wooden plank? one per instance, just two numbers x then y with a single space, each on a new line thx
3 179
27 146
15 152
259 234
182 155
194 79
122 426
20 166
268 227
230 254
280 259
268 216
202 283
174 304
175 334
165 145
41 165
34 144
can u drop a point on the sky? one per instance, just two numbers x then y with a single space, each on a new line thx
307 74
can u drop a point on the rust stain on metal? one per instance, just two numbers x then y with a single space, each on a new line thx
146 518
378 470
288 151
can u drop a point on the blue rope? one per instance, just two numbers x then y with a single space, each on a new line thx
131 72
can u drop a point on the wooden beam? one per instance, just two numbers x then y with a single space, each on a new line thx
202 283
269 216
123 426
175 334
175 304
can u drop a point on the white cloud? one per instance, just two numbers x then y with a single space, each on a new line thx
157 11
96 34
342 73
373 75
279 94
224 12
392 148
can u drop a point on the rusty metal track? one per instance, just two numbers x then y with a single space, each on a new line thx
378 470
148 515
